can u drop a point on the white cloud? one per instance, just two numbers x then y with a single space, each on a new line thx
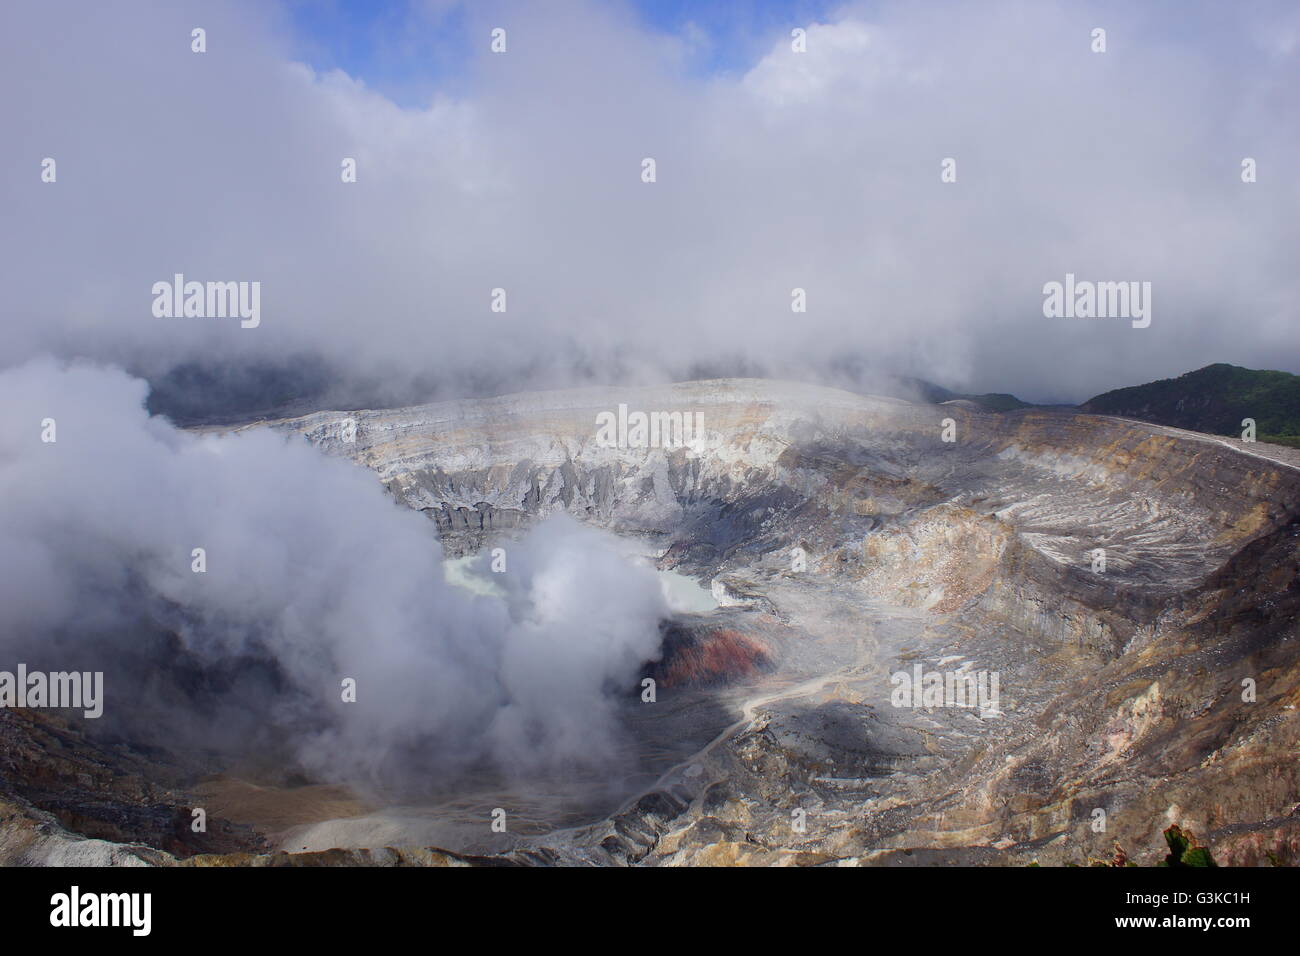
816 170
841 53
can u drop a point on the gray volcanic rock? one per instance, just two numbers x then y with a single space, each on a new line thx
849 542
977 551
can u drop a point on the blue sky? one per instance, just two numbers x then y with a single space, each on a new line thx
410 49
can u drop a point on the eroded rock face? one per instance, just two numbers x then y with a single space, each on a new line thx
68 799
701 654
1009 512
848 543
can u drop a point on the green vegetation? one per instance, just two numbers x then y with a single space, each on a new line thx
1183 851
1213 399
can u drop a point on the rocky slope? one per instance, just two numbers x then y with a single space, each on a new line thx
848 541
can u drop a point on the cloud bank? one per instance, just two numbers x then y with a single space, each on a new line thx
818 170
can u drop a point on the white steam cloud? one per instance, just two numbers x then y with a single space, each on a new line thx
310 567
